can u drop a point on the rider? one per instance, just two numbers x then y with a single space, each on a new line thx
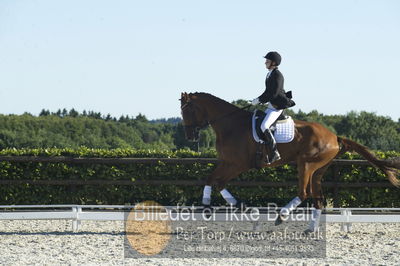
277 98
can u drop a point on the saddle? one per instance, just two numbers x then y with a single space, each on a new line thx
282 129
259 117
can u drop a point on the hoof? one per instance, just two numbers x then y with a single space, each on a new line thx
278 220
308 232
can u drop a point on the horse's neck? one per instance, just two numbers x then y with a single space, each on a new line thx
217 108
227 112
223 116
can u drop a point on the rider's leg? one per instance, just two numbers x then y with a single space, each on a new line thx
271 116
271 145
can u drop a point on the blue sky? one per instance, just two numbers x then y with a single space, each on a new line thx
130 57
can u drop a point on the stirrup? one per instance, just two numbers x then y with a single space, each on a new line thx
275 157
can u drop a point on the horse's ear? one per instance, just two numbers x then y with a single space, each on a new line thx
185 97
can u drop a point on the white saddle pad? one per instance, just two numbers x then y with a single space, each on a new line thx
284 132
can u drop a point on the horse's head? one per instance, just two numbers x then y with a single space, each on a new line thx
194 117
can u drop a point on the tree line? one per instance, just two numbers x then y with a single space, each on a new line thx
73 129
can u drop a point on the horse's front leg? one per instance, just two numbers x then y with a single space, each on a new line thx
220 177
210 181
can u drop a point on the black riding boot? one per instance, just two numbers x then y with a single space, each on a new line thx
271 147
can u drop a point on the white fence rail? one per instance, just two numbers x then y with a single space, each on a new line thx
79 213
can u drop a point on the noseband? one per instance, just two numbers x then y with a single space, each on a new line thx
195 125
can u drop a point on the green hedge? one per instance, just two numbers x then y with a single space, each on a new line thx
169 194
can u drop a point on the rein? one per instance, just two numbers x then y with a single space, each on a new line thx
207 123
223 116
228 114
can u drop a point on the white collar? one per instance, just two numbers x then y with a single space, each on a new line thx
269 73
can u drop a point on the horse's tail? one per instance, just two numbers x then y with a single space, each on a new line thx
389 167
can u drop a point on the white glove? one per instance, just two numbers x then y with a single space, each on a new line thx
255 101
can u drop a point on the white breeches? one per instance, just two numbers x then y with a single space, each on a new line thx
271 115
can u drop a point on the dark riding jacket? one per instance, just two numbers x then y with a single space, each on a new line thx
274 92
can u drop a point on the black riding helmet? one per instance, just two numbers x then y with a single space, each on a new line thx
275 57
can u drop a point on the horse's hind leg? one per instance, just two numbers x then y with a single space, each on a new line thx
316 187
317 195
305 171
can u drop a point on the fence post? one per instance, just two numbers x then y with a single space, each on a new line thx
346 226
76 222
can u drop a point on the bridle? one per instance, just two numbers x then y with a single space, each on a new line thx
195 127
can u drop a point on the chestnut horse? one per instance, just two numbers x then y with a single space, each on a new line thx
312 149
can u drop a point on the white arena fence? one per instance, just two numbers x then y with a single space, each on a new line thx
78 213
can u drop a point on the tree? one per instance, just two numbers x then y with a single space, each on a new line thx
73 113
71 129
141 118
44 112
